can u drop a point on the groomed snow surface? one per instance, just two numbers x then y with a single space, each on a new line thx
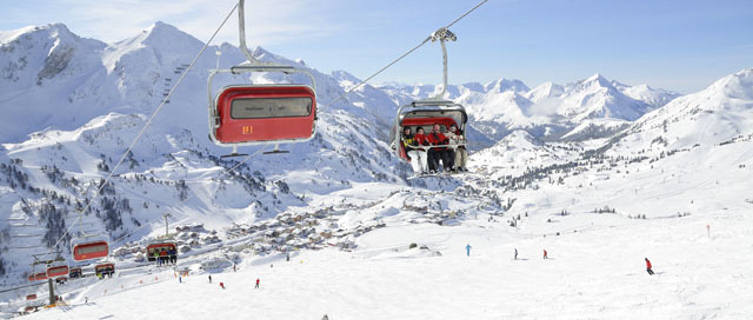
595 273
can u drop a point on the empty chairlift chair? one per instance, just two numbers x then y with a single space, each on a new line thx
88 250
252 114
247 115
57 271
40 276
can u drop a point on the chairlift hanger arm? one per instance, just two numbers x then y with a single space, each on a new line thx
242 31
442 35
427 39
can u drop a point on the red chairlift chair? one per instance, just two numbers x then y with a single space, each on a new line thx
424 114
57 271
104 269
245 115
90 250
159 246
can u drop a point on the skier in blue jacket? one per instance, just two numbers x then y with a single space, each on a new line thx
468 250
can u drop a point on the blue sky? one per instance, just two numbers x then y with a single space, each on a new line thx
678 45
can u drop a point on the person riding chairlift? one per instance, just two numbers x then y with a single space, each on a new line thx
437 138
415 154
163 256
461 155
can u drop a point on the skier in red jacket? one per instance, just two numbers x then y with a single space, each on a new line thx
648 267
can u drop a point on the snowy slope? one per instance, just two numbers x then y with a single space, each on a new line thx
597 97
715 115
595 269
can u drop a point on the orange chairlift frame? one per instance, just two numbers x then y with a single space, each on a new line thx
245 115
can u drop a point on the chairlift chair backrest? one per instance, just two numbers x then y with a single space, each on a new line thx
57 271
90 250
264 113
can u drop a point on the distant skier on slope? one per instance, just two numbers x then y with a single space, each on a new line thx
468 250
222 285
257 283
210 278
516 253
546 255
649 267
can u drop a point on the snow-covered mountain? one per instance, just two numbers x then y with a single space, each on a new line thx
548 111
719 114
102 94
557 167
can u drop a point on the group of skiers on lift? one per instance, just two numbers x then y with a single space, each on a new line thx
426 150
165 256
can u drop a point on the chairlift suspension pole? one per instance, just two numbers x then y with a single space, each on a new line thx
52 291
166 228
